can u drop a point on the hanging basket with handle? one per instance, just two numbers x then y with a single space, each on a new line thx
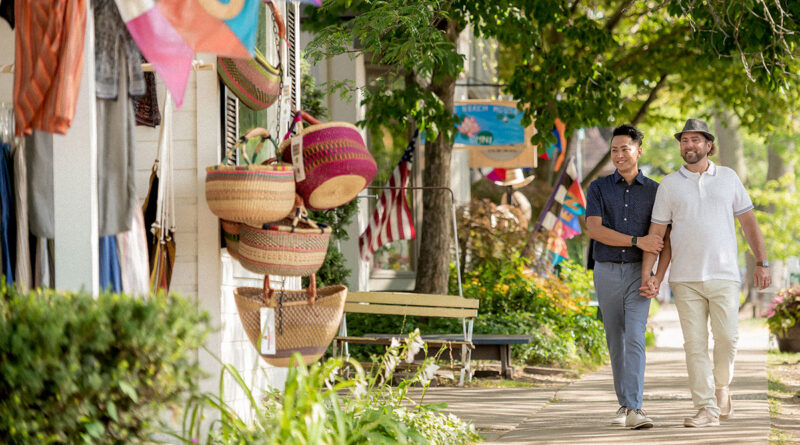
305 320
255 193
288 248
336 161
255 81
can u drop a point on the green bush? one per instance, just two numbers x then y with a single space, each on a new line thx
74 369
320 405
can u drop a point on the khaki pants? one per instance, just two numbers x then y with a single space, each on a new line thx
696 302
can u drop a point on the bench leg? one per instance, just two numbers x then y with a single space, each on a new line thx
505 362
466 365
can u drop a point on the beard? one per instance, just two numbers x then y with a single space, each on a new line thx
692 157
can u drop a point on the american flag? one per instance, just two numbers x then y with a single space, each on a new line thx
391 220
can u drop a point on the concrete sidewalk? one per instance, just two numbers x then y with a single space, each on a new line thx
580 412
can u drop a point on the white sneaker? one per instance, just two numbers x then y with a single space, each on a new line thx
637 419
619 418
724 402
702 419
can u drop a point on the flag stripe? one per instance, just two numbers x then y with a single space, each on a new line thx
391 219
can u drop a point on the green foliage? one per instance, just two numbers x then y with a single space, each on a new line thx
409 39
74 369
321 406
778 216
784 312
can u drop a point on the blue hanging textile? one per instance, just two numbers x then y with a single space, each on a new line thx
8 217
110 274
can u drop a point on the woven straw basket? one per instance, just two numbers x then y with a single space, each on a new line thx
337 164
254 193
285 248
231 231
303 324
253 80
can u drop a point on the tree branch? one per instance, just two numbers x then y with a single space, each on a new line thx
618 14
640 115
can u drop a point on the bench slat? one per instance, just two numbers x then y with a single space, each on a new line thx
388 340
413 299
420 311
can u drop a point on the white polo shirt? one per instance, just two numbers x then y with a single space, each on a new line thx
701 208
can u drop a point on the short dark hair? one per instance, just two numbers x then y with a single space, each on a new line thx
629 130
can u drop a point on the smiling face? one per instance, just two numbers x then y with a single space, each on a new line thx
625 154
694 147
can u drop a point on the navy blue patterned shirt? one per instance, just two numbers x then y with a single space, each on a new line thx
624 208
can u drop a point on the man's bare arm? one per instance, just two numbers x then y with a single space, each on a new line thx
610 237
648 258
752 233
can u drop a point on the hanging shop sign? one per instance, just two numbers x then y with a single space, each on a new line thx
493 132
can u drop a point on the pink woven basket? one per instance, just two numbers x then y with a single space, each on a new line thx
337 164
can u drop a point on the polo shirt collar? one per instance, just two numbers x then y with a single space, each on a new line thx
639 177
686 173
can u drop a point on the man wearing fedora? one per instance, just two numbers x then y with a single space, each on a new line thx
618 218
700 202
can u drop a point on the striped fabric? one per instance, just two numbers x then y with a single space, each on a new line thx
48 64
391 220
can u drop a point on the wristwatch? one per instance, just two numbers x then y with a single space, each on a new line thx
634 240
764 263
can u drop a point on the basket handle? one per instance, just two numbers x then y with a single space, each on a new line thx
301 215
300 115
258 132
312 289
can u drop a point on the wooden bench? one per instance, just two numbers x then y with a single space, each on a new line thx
412 304
485 347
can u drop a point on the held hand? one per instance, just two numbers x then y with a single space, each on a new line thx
761 277
649 287
650 243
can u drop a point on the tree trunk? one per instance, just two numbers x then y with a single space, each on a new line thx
433 266
729 142
730 149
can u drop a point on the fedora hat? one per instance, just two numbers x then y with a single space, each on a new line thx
516 178
695 125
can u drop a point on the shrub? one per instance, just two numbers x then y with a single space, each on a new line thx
74 369
321 406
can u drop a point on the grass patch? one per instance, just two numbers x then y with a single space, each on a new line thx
779 391
774 407
778 437
775 357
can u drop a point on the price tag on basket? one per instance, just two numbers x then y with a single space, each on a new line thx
286 104
297 158
268 335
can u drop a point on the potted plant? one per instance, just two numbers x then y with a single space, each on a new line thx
783 318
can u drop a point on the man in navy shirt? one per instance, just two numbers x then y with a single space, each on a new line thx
618 220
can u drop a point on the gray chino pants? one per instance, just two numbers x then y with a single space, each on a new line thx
625 319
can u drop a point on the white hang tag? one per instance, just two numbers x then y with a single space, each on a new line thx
297 158
268 331
286 104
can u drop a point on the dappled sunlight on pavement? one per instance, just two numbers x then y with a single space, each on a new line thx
580 413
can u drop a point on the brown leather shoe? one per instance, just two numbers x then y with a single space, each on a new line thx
724 402
702 419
